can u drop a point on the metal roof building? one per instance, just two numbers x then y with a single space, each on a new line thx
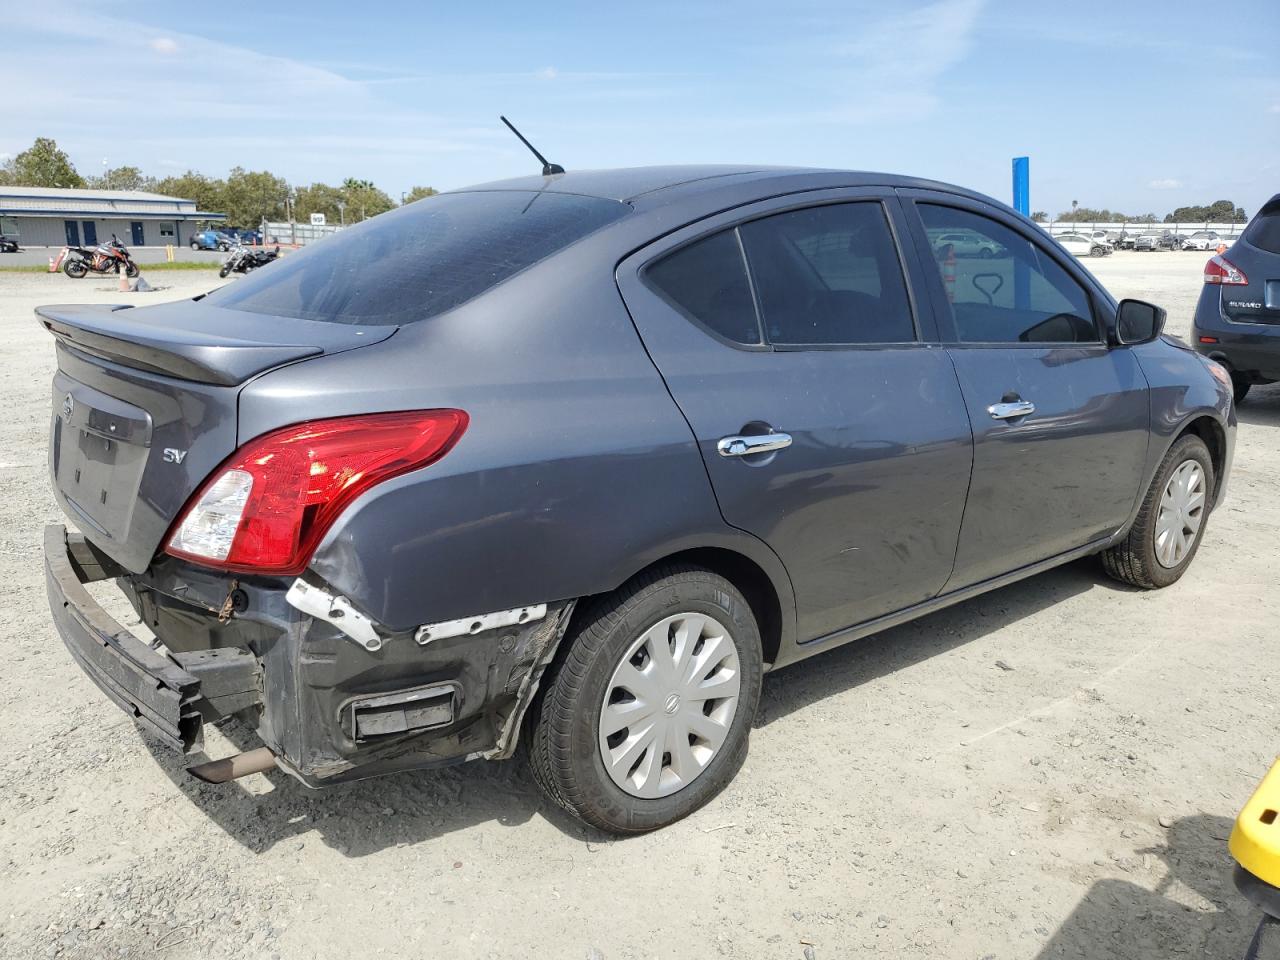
54 217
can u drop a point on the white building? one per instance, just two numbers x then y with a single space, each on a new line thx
56 217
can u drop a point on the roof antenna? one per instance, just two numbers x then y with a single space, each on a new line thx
547 168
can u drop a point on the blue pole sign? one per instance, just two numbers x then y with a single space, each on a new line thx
1022 185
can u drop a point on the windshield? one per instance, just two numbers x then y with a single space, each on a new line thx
420 260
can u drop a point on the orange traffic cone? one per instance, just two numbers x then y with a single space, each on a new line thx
124 280
949 273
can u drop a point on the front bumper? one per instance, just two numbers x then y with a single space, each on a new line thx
162 692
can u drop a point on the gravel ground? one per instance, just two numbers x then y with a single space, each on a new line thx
1047 771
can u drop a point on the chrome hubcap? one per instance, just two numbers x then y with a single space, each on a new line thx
1181 513
669 704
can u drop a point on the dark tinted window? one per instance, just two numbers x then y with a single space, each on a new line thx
1002 287
419 260
828 275
708 280
1264 231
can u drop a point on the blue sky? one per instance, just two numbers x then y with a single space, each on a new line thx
1137 106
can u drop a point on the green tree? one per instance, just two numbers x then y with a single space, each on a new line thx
122 178
419 193
364 200
252 196
319 198
1220 211
209 194
41 165
1040 217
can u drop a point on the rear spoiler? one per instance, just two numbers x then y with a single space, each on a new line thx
179 339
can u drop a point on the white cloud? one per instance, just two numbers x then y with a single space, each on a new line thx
165 45
1274 108
548 73
1168 183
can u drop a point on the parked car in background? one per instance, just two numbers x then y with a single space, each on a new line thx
1237 319
1169 241
580 457
1149 241
1204 240
964 244
237 234
211 240
1081 245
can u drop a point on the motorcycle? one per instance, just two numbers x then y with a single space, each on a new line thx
106 258
244 260
8 244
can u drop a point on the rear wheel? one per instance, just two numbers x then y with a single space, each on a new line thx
75 269
194 245
1164 538
1239 387
647 714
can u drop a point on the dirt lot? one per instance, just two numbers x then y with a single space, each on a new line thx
904 796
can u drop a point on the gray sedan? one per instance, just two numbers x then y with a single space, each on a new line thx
577 459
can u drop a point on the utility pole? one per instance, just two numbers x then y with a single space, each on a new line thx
106 174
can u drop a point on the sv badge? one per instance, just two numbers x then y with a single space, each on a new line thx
173 455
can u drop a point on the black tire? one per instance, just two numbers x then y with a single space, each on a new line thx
131 270
222 272
985 253
1133 559
1098 252
1239 387
194 245
75 269
564 751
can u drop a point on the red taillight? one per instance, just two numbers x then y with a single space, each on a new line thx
268 506
1208 339
1221 270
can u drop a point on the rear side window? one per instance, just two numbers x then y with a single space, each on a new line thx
1003 288
1264 231
420 260
708 281
829 275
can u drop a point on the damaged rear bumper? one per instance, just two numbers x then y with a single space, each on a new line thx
163 693
329 709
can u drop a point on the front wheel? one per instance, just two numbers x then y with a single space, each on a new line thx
75 269
131 270
223 271
646 715
1164 538
1097 252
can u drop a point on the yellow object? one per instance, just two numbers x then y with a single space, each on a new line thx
1255 838
168 252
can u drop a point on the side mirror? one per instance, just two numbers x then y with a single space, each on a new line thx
1138 322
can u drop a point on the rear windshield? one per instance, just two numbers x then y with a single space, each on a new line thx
1264 231
420 260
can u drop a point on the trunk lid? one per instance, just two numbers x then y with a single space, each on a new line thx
145 404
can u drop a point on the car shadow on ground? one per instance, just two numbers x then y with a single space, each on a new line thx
1261 407
1194 911
362 818
796 687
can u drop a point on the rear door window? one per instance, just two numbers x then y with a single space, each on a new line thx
420 260
707 281
829 275
1011 290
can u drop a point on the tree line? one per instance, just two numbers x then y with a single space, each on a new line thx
1220 211
247 197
